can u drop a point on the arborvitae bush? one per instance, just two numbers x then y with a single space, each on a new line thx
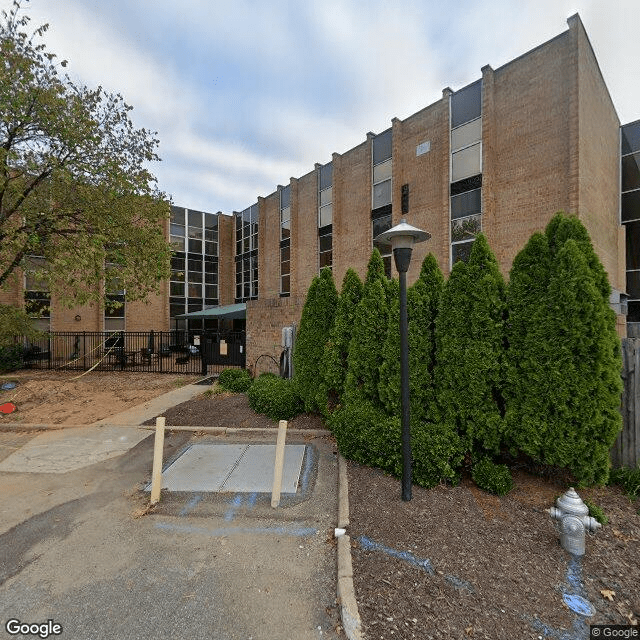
563 385
492 477
236 380
437 453
369 333
274 397
315 327
337 348
469 350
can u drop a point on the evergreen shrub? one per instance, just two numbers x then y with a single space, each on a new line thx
437 453
313 334
11 357
492 477
236 380
274 397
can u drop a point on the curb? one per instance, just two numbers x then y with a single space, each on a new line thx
346 594
241 430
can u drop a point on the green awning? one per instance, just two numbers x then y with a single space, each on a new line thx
230 311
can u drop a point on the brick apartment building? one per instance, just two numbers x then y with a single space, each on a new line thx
538 135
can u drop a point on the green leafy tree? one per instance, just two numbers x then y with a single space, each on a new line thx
563 379
74 183
469 341
315 326
15 322
337 349
369 334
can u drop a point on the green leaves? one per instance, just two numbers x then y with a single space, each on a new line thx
73 176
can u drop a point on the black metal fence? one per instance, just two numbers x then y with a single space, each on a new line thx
188 352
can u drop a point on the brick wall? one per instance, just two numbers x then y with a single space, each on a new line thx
269 246
304 232
265 320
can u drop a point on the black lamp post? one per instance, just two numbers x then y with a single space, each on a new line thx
402 237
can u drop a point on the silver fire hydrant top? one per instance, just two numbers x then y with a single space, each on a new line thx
574 518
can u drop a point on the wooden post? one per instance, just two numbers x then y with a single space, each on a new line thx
277 472
156 475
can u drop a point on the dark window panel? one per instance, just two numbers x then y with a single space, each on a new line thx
285 253
177 215
630 208
325 243
195 290
194 276
195 246
633 312
380 225
466 104
210 221
631 172
195 218
461 251
176 289
633 284
326 176
285 196
633 245
195 264
285 284
326 259
631 137
177 263
177 275
466 204
474 182
176 309
285 267
382 147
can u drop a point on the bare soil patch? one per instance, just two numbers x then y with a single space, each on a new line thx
50 397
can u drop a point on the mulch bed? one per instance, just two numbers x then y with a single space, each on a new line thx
457 562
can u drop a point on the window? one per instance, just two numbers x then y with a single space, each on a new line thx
380 224
114 306
466 169
325 215
382 170
194 264
37 300
285 241
246 224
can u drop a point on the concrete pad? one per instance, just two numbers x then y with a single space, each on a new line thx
232 468
63 451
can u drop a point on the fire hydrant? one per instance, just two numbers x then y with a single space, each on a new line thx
574 521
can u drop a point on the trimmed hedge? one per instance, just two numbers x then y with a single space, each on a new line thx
274 397
492 477
236 380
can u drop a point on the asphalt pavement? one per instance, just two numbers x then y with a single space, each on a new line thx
79 548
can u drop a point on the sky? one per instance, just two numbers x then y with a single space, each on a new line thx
245 94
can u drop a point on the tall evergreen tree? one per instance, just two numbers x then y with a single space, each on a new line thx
315 326
337 349
563 385
369 333
469 341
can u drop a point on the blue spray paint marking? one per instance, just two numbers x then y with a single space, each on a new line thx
370 545
251 500
191 505
231 511
306 472
298 532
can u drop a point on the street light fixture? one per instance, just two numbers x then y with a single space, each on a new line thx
402 237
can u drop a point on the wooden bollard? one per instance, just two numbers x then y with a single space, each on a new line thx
279 464
158 447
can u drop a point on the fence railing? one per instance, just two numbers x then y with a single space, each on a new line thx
626 451
188 352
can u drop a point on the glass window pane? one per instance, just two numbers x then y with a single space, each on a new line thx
210 234
285 214
210 248
326 176
285 231
195 218
325 243
195 246
114 324
631 138
633 284
381 224
177 243
285 284
466 204
326 196
210 221
326 215
238 217
177 275
633 312
195 232
382 171
285 267
195 290
211 277
239 292
195 276
631 172
466 104
177 229
326 259
285 197
177 215
633 245
466 134
382 147
195 264
466 163
210 291
466 228
461 251
285 253
382 194
176 289
630 206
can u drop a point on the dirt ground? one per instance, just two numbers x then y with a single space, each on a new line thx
454 562
49 397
